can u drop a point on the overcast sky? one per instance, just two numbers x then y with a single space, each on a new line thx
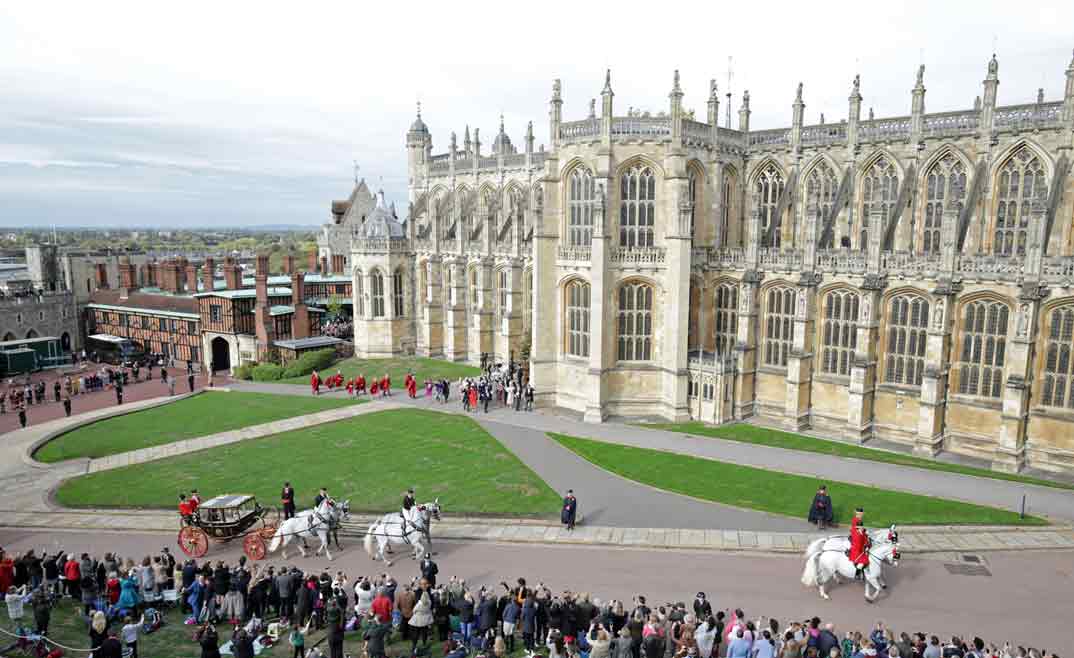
244 113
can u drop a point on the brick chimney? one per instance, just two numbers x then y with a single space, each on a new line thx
288 264
324 265
102 276
232 274
152 275
170 276
126 277
337 264
208 274
300 322
265 328
311 262
191 279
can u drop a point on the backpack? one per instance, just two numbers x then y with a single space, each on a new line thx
153 620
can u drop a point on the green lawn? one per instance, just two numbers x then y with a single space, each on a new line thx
747 433
369 459
397 368
200 415
779 493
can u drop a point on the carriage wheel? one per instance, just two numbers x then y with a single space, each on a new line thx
254 546
267 531
193 541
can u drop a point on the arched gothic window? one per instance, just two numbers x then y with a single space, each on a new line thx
780 307
945 188
908 319
580 208
577 306
725 324
473 288
984 347
821 187
1058 384
502 289
879 189
693 330
423 283
527 298
1019 186
637 207
839 335
766 193
376 282
398 305
695 185
730 184
635 327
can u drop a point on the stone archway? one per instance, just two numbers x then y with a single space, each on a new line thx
221 354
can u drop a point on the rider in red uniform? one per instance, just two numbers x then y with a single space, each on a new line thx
860 543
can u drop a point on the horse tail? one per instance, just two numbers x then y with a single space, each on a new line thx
276 537
809 574
368 541
815 546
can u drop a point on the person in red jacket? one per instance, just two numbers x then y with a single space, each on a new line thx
385 385
860 544
73 577
359 384
315 383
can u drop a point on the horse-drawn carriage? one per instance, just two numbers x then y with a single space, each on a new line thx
229 517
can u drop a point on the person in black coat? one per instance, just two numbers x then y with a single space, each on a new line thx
570 510
820 512
429 569
702 608
486 613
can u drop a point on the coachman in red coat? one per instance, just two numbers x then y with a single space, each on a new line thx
860 543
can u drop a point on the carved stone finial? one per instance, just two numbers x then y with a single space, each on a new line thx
453 140
592 108
857 83
557 88
746 99
921 75
419 109
822 118
501 123
1040 95
712 89
529 129
798 94
870 114
675 88
993 65
607 82
977 104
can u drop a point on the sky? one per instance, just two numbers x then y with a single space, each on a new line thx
242 113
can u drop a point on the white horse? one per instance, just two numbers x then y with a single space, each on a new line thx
318 523
842 542
823 565
391 530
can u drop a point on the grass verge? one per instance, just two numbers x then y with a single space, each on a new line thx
779 493
369 459
199 415
747 433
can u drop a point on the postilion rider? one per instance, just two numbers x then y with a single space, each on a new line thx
188 507
860 543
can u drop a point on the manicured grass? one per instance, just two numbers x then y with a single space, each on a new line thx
778 493
776 438
397 368
369 459
200 415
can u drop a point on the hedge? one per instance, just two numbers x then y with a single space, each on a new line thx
310 361
245 371
267 372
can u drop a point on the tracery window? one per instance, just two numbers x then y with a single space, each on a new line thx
945 188
984 343
694 185
577 298
729 185
726 318
1020 184
767 191
502 290
637 207
398 306
1058 384
580 206
527 297
879 189
821 187
473 288
423 283
359 298
780 307
908 318
839 335
376 282
635 326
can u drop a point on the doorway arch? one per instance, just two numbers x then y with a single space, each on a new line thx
65 342
221 354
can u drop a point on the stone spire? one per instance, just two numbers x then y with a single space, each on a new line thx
606 96
466 140
714 103
917 107
555 111
988 99
797 118
744 112
529 137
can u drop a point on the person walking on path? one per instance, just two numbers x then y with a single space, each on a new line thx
287 499
315 383
820 513
119 391
570 510
67 404
22 415
190 380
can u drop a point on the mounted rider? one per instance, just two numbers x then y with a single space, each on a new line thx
410 509
860 543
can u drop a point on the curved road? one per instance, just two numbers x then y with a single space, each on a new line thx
1024 600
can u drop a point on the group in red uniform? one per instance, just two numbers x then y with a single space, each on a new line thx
860 543
411 384
315 383
189 506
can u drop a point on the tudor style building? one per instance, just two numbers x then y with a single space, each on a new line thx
907 278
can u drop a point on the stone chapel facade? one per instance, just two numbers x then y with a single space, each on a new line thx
907 278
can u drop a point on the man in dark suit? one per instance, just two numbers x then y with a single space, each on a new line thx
570 510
